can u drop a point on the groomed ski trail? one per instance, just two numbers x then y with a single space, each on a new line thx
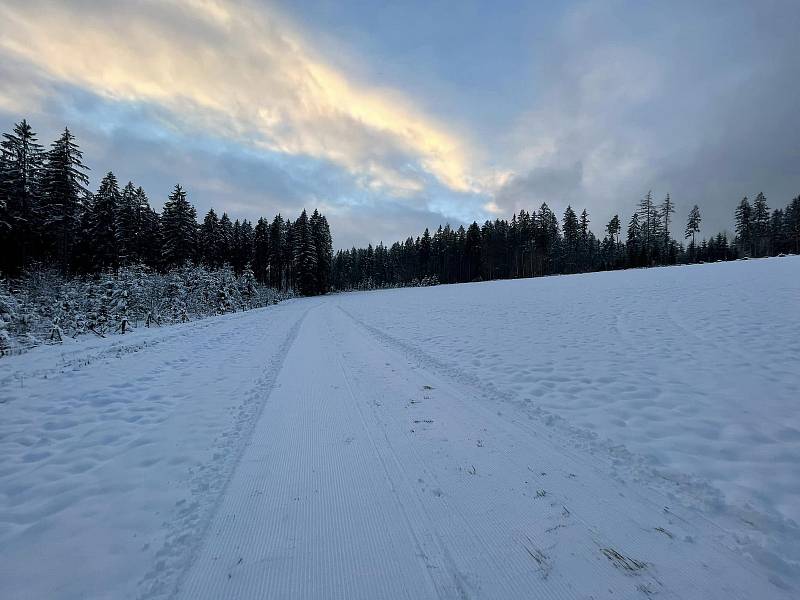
369 475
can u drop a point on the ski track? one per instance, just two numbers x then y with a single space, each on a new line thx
320 449
177 553
116 452
371 476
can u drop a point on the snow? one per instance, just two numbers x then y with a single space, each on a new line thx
114 451
692 369
614 434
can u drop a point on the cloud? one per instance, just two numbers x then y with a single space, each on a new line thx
243 74
256 115
559 184
680 98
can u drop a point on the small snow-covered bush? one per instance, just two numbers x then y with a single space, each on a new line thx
40 303
8 317
368 283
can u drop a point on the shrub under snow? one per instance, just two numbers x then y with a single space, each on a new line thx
42 307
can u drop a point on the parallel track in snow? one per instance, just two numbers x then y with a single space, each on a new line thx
370 476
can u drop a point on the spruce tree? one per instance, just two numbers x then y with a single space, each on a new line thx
571 237
149 239
667 210
64 182
473 250
277 253
744 226
128 226
179 229
792 225
584 241
305 256
424 253
634 235
760 225
323 244
21 161
210 240
243 246
225 251
101 231
777 232
261 251
236 242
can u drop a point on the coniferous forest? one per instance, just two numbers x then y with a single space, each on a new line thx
74 262
49 218
539 243
77 261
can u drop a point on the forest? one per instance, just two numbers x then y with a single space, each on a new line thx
538 243
74 261
48 218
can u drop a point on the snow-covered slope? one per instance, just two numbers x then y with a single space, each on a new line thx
695 370
615 435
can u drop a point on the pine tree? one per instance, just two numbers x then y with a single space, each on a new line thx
614 228
179 229
64 184
693 226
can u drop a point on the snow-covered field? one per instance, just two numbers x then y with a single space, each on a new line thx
625 434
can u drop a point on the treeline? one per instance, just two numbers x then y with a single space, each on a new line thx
49 218
538 243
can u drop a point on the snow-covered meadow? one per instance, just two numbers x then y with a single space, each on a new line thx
615 434
694 369
688 377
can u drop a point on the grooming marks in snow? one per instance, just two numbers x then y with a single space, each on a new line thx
454 442
115 452
684 379
371 477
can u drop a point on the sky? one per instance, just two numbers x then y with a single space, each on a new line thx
393 117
